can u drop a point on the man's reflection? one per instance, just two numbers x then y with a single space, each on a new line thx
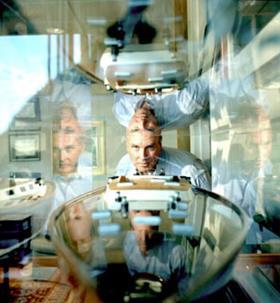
146 235
67 140
248 160
147 156
79 226
149 251
79 232
173 110
68 150
240 175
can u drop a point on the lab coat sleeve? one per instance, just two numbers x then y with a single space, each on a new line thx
183 107
193 98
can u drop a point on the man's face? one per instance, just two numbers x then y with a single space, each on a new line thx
67 149
144 148
144 233
79 227
143 141
67 143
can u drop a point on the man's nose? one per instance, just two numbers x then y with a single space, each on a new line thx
143 153
142 237
62 154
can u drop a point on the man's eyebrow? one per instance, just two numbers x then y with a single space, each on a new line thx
68 130
134 129
137 129
151 129
69 146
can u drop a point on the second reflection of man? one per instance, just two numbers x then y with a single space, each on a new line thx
150 251
79 228
68 155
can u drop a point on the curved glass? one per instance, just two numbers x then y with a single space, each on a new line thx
151 251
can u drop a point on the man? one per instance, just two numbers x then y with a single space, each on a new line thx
174 110
68 148
145 235
68 143
68 140
183 107
79 229
147 156
149 251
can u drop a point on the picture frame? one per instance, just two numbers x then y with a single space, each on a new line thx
21 124
95 136
24 147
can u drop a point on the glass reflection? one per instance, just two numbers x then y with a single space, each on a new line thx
168 61
69 158
79 226
271 192
248 156
79 236
172 110
148 256
68 141
147 250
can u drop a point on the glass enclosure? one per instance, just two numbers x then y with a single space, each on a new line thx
191 253
92 89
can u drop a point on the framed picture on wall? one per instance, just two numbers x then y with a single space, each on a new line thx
22 124
24 147
95 136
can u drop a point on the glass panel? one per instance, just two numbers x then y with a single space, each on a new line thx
154 250
244 109
92 90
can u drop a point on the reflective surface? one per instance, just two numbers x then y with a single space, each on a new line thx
244 113
200 79
149 254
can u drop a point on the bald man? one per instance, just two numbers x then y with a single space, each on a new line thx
147 156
